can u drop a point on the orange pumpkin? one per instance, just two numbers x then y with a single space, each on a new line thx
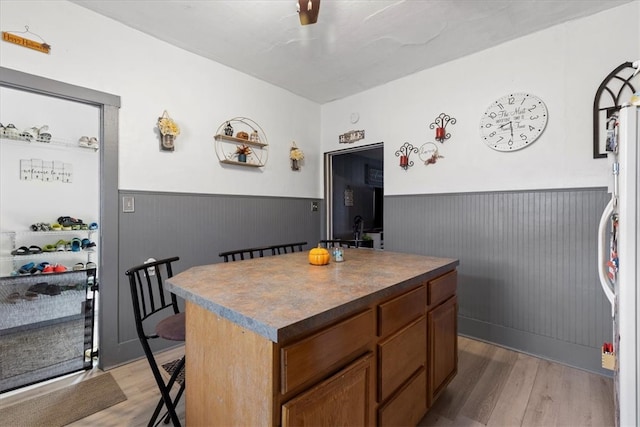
319 256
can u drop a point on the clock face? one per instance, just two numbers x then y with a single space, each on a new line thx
513 122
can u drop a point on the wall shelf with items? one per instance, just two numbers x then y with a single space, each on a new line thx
47 312
68 248
241 142
52 143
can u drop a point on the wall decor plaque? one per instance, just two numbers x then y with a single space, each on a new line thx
351 136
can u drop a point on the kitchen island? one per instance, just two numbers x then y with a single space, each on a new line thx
276 341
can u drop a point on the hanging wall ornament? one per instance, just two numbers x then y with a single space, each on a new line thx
440 125
296 155
404 152
169 130
429 153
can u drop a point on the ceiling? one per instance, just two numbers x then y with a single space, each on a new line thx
355 45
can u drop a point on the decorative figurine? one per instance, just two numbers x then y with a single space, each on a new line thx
228 129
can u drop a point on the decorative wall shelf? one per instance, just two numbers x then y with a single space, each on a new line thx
227 142
53 143
239 140
233 162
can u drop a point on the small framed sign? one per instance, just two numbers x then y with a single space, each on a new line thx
351 136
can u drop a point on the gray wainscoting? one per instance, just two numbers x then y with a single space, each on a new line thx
196 228
527 275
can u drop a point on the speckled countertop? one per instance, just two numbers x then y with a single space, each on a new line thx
283 296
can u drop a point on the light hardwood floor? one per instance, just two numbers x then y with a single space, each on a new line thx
494 387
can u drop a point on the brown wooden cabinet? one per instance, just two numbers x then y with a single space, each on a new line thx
443 346
379 363
344 399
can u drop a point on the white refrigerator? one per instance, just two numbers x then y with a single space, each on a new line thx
619 256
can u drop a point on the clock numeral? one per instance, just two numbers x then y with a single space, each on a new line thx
533 107
492 134
488 125
498 141
523 136
501 106
493 115
531 128
512 100
534 117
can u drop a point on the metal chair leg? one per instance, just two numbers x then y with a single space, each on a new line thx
165 399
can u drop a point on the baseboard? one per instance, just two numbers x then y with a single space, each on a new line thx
574 355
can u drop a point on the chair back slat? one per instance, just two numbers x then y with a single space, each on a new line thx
287 248
242 254
259 252
333 243
147 288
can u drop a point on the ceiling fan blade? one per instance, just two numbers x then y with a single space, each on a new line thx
308 11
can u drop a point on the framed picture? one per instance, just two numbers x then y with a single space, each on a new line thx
373 176
615 90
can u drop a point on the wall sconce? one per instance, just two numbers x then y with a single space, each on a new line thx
440 125
404 152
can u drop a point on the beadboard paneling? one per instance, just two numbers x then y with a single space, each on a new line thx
527 275
196 228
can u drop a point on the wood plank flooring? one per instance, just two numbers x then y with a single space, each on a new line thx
499 387
494 387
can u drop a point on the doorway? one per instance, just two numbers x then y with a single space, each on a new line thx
354 190
101 164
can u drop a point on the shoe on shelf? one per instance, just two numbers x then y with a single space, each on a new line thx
43 135
88 244
67 221
76 244
61 245
38 288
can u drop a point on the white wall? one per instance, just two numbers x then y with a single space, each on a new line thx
25 202
150 76
563 65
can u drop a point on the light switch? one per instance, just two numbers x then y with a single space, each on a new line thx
128 204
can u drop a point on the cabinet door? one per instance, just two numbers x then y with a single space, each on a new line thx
401 356
443 345
345 399
408 406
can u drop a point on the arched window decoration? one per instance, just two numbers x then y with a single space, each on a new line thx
615 90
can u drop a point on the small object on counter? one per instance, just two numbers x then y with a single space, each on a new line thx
319 256
338 254
242 135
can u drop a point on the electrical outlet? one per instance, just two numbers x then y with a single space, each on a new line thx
128 204
314 206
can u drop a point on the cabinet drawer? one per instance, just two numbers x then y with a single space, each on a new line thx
400 356
442 288
343 399
317 355
407 407
394 314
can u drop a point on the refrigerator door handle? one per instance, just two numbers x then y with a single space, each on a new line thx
603 255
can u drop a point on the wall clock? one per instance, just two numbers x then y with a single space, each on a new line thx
513 121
